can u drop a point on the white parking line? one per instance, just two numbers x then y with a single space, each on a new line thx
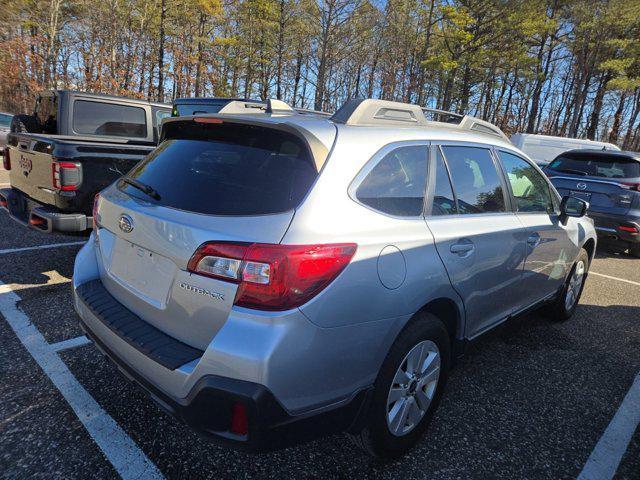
615 278
69 343
123 453
606 456
40 247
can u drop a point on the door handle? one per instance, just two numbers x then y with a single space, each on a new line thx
461 248
534 240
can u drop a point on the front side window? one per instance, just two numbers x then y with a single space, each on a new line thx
475 179
530 189
109 119
396 184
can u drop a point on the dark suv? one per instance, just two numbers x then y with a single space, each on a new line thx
610 182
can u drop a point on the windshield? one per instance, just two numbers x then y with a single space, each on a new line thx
227 170
595 165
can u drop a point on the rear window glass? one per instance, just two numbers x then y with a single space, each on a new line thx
597 166
109 119
5 120
227 170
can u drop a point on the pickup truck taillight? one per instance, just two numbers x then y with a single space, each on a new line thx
271 276
66 176
6 160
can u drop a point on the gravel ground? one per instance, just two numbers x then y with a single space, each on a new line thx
530 400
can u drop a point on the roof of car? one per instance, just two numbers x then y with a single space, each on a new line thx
214 100
601 152
107 96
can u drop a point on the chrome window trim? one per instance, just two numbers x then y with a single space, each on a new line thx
373 162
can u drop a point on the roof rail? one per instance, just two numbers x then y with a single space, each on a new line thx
360 111
272 106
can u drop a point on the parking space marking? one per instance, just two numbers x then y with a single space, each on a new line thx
40 247
54 278
69 343
615 278
606 456
123 453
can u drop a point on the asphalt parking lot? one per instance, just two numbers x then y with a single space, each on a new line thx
532 399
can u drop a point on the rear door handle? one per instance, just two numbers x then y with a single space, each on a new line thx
461 248
534 239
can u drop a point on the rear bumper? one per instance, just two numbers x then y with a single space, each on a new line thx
41 217
616 228
208 406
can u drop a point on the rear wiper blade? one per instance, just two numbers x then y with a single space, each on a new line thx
142 187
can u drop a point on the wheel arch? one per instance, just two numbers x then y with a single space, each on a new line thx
590 247
451 314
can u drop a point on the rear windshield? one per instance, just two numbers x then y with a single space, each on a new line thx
227 170
109 119
597 166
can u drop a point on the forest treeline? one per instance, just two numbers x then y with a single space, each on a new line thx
561 67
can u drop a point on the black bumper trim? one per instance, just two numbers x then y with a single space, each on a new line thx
207 409
41 217
147 339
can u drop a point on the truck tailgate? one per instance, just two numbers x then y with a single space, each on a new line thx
31 169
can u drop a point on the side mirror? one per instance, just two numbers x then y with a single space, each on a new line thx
572 207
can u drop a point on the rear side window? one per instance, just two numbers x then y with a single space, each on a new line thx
530 189
109 119
443 201
475 179
607 166
396 184
181 110
226 170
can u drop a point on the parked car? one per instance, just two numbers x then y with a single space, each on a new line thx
73 146
610 182
269 276
544 148
5 123
200 105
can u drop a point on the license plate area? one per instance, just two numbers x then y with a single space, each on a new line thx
586 196
145 273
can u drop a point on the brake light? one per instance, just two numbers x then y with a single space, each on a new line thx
632 186
548 173
270 276
216 121
6 159
96 202
629 229
65 176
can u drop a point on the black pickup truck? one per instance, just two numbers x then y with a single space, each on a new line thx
73 146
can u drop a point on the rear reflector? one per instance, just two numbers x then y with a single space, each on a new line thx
6 159
629 229
272 276
66 176
239 419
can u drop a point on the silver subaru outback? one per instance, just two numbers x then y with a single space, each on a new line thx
267 275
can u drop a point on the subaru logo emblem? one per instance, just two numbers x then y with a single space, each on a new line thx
125 223
582 186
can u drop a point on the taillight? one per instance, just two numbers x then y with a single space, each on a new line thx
96 202
66 176
628 228
6 159
239 419
269 276
548 173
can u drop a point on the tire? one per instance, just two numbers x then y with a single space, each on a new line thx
635 250
562 308
428 335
